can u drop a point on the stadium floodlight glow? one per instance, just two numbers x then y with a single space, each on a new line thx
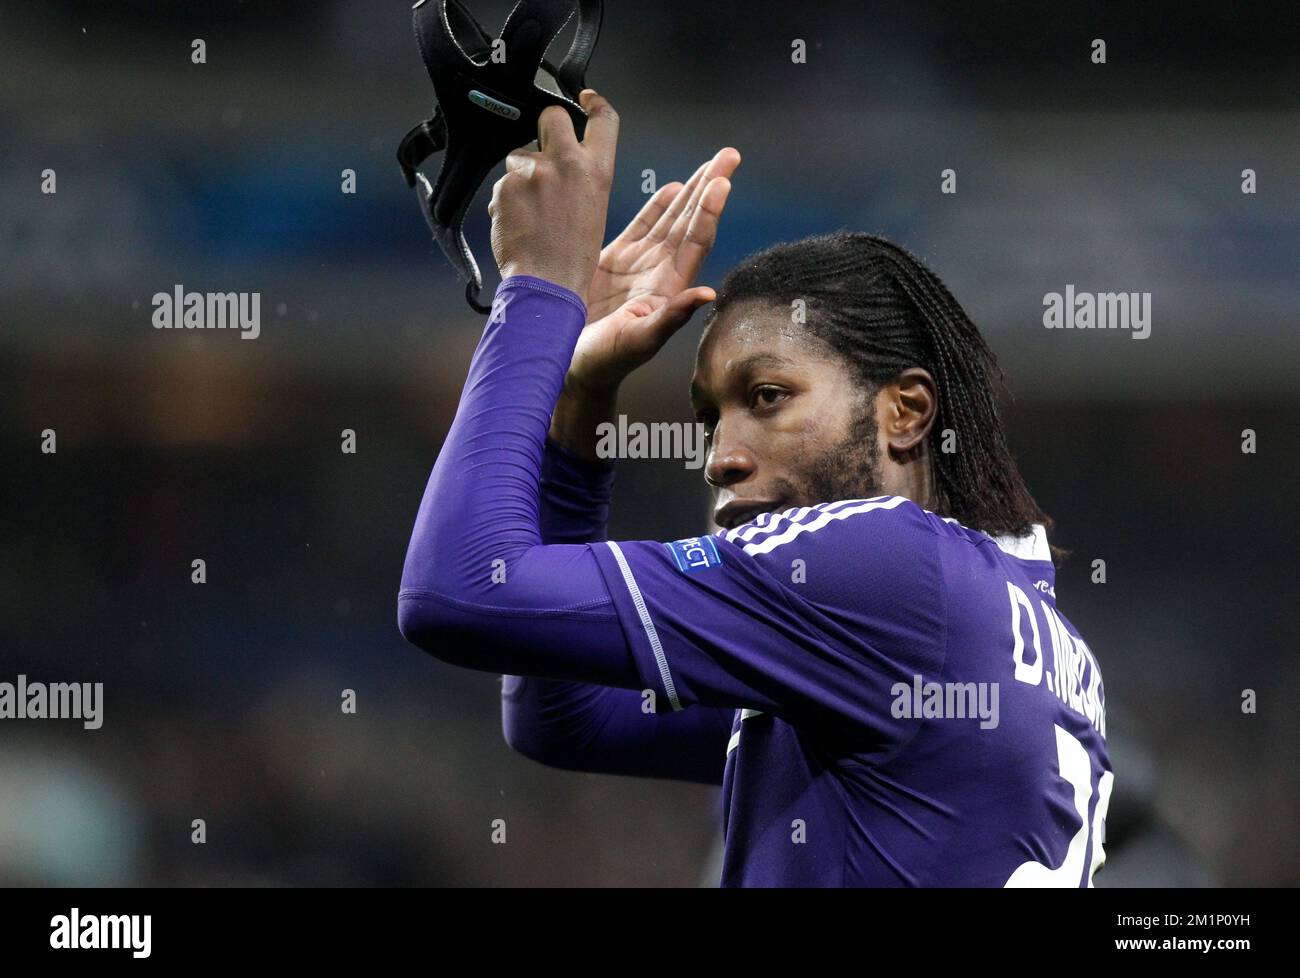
488 103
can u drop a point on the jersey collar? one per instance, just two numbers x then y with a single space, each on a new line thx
1032 546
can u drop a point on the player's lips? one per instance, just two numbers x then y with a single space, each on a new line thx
740 511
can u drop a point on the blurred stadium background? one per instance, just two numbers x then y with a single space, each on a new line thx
222 700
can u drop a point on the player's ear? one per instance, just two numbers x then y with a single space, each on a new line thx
911 407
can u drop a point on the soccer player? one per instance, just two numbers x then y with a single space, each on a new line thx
867 656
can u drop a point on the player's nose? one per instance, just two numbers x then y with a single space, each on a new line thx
728 464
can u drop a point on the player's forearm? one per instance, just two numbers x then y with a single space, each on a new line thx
588 727
480 506
601 730
575 495
548 719
578 414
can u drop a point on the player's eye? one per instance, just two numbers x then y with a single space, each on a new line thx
766 395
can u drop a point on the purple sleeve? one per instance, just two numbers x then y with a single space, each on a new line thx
479 588
707 620
815 614
575 496
584 727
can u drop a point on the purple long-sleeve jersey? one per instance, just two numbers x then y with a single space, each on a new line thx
895 697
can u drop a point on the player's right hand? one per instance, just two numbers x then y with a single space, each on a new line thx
548 210
641 292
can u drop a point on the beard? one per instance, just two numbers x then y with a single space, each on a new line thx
849 469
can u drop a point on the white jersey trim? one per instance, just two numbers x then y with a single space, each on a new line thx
772 530
1032 546
647 623
782 528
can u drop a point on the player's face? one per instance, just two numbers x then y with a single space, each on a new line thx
788 423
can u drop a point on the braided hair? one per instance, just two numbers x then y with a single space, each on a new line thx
882 311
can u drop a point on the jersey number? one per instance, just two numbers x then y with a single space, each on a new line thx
1076 771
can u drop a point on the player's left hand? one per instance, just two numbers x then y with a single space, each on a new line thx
548 210
642 292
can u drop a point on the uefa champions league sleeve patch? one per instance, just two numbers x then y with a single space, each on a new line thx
695 554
